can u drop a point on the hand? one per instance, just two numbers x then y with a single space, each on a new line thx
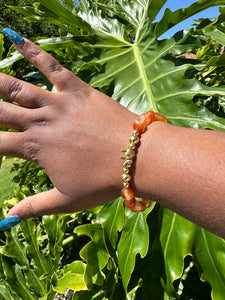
75 135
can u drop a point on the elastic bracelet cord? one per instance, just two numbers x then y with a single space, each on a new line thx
139 126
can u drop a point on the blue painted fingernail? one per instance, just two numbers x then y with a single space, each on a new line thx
13 36
9 222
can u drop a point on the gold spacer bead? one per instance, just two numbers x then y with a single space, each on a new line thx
132 146
129 153
126 184
125 170
127 163
136 132
134 139
126 177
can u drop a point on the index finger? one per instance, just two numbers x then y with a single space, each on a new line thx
59 76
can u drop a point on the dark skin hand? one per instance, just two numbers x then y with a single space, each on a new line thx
68 133
76 135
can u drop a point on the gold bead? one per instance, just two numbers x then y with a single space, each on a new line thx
126 184
126 177
132 146
134 139
129 153
127 163
136 132
125 170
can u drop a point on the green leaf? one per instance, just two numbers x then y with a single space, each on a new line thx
69 3
112 219
154 8
134 240
42 14
177 240
14 249
118 51
42 264
15 279
4 293
95 253
73 278
34 282
64 14
170 18
1 45
209 256
210 30
55 227
180 238
160 81
7 62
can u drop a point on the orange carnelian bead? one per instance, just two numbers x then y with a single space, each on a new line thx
144 119
130 203
139 206
127 193
160 118
151 115
143 205
148 202
138 126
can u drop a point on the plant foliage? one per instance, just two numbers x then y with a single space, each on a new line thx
115 46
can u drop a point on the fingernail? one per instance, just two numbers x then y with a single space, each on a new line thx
9 222
13 36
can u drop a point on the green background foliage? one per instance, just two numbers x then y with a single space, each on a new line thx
110 252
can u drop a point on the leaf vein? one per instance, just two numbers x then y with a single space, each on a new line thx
113 73
135 99
142 72
169 234
126 87
160 54
112 57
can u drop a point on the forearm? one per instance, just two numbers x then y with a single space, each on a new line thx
76 135
184 169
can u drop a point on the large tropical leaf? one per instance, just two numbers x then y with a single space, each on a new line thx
134 240
119 52
180 238
146 73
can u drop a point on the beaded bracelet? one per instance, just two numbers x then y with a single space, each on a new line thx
127 192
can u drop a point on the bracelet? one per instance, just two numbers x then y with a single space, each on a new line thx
139 126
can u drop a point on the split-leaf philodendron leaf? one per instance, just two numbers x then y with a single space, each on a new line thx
116 47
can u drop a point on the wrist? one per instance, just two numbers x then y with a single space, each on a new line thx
139 127
147 167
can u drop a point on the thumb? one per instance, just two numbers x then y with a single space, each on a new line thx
45 203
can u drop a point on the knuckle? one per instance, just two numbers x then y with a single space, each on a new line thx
31 150
34 52
30 209
41 122
14 88
37 55
54 66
